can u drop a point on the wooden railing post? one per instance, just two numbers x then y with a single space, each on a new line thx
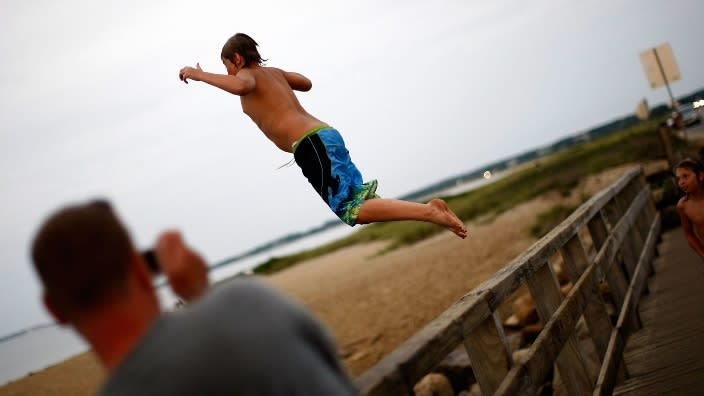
486 347
614 275
644 219
613 214
595 312
598 231
545 290
634 238
627 255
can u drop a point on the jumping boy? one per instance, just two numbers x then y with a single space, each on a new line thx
690 176
267 97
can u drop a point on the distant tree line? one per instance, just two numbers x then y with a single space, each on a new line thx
569 141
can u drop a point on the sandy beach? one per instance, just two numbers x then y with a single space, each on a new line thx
370 302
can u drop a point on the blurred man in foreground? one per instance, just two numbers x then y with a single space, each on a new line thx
239 338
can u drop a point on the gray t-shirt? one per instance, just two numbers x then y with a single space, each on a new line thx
243 338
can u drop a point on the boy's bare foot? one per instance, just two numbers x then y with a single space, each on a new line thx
444 216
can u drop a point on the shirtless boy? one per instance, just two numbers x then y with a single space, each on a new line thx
690 179
267 97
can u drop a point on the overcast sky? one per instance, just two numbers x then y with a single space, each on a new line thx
91 105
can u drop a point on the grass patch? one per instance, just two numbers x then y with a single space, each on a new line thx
549 219
560 172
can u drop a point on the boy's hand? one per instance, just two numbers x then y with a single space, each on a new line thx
190 72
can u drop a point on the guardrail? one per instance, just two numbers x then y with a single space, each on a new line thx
624 227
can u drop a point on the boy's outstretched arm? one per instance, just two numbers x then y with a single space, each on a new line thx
297 81
241 84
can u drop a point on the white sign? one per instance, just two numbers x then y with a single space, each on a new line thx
659 64
642 110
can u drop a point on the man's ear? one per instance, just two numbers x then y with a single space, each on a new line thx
59 316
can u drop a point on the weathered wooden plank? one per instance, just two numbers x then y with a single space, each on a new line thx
488 353
634 237
523 378
518 382
606 381
605 257
546 293
401 369
613 214
644 220
608 249
683 378
635 289
647 256
595 314
598 231
507 347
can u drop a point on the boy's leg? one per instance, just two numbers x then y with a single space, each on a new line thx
435 211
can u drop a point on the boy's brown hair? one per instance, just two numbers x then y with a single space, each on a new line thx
82 254
244 45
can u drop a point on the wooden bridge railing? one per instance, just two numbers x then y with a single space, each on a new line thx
624 227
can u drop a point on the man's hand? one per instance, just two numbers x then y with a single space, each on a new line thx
185 269
190 72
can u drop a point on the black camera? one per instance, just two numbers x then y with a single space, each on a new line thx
151 260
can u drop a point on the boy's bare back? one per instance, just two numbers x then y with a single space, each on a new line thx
273 106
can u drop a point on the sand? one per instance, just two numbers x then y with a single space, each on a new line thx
371 302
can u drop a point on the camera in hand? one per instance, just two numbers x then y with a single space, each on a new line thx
151 260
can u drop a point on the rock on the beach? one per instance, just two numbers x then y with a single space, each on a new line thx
433 384
457 368
475 390
520 356
524 309
566 289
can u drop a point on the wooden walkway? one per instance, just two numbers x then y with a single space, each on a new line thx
666 356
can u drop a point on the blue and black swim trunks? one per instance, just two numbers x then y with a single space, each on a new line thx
326 163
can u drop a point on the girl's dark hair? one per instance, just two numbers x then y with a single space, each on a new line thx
691 164
244 45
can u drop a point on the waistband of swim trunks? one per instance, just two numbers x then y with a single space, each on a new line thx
310 132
